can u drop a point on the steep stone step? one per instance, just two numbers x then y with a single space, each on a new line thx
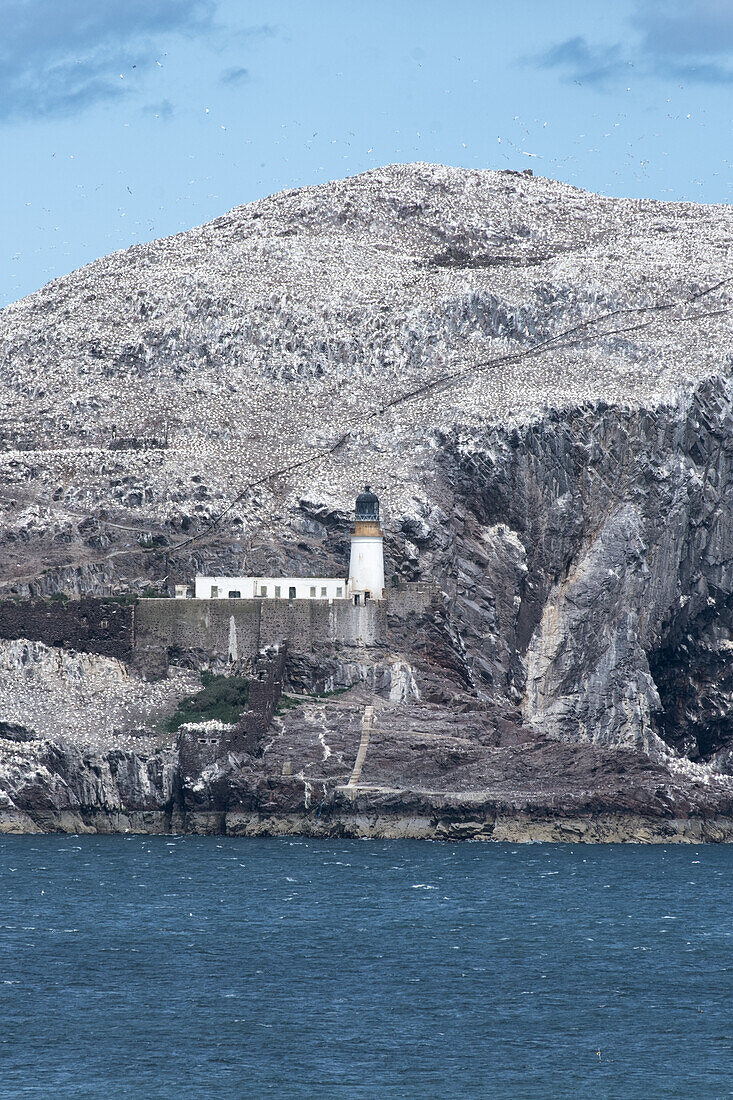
367 724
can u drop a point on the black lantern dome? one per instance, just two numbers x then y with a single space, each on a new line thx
367 506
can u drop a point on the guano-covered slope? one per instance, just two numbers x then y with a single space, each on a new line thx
261 339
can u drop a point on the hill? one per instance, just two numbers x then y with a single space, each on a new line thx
535 378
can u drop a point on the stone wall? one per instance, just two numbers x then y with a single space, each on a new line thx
89 625
411 598
322 638
201 744
326 641
204 633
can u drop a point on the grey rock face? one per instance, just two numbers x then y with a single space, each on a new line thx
624 522
626 526
536 379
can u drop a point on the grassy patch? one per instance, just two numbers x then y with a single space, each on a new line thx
287 702
221 697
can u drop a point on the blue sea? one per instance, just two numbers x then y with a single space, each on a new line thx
193 967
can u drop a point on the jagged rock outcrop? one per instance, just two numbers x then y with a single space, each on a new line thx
537 379
624 521
49 785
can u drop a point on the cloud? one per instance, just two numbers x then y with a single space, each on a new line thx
691 40
700 72
235 76
582 62
238 74
59 56
695 27
683 39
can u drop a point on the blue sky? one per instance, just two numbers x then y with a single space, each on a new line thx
125 121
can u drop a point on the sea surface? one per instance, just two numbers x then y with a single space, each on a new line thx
163 967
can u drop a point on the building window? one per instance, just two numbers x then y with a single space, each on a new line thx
339 591
215 592
263 590
313 590
235 595
291 592
277 591
323 592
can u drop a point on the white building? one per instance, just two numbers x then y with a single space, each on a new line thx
270 588
366 571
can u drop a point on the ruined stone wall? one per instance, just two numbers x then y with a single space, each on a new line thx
89 625
264 694
266 683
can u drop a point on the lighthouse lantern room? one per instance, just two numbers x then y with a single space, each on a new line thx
366 564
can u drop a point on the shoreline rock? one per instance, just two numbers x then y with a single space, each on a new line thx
522 829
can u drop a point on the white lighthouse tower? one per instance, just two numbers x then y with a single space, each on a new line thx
366 565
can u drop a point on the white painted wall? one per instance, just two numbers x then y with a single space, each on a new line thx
249 588
366 566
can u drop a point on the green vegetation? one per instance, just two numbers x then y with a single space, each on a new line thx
58 597
154 594
221 697
286 702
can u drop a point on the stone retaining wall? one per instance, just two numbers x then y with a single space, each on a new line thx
203 632
90 625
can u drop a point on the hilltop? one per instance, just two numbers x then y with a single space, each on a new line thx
375 315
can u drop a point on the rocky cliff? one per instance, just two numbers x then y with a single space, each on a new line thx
538 381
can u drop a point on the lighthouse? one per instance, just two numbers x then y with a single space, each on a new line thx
366 565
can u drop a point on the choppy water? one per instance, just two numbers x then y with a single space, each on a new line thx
208 967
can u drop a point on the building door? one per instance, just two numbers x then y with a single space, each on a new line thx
291 592
356 600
